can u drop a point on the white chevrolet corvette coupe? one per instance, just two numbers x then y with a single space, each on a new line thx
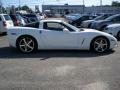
58 35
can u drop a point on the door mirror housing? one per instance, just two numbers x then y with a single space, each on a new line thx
65 30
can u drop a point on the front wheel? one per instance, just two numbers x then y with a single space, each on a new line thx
26 44
118 35
100 44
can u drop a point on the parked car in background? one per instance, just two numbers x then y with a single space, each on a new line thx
72 17
17 20
5 22
101 24
57 34
87 23
77 20
113 29
29 18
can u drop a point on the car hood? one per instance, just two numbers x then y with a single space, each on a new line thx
71 17
100 21
94 32
87 21
114 25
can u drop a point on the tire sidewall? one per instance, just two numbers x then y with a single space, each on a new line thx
18 44
93 41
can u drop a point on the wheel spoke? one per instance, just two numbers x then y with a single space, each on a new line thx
97 48
24 41
26 49
29 42
30 47
22 45
97 43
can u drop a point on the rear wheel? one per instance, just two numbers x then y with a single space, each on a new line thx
100 44
26 44
118 35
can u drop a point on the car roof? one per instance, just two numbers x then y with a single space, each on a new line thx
51 20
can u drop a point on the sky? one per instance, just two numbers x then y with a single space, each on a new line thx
32 3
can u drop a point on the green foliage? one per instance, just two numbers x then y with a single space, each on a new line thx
116 3
25 7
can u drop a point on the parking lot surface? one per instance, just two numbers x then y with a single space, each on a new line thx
58 70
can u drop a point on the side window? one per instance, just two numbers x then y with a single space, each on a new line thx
116 19
53 26
0 19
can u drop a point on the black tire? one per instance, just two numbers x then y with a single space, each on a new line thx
26 44
118 35
100 44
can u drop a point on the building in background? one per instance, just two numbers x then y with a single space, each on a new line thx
65 9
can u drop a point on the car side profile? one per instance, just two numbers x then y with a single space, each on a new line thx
101 24
87 23
57 34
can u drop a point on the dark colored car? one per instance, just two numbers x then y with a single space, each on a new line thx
87 23
17 20
29 18
33 25
101 24
78 20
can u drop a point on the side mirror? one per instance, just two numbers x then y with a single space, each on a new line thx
65 30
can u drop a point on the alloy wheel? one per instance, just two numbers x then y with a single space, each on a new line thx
100 44
26 45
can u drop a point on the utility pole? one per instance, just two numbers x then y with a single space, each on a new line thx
83 6
101 6
0 6
19 5
100 2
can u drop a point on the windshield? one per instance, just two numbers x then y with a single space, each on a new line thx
7 17
111 17
18 17
73 27
100 17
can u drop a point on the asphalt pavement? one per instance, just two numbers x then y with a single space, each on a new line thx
58 70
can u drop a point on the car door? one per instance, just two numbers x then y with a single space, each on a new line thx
54 37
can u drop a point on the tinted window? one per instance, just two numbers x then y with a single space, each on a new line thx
30 18
33 25
7 17
112 17
53 26
116 18
18 17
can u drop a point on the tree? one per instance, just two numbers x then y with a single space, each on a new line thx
25 7
116 3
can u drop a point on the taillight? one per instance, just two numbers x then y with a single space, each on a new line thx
4 24
17 23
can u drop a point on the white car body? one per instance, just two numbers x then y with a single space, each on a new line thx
113 29
50 39
4 23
